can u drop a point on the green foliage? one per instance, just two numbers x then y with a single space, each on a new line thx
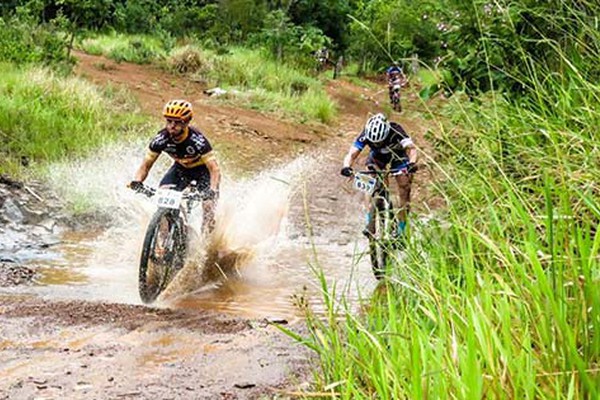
384 32
137 16
288 42
23 40
44 117
479 43
140 49
328 16
242 17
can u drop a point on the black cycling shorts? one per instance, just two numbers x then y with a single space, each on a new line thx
382 161
178 177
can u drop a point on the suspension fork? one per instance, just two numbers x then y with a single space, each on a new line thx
379 203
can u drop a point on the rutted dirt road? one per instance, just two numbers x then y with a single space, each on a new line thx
53 348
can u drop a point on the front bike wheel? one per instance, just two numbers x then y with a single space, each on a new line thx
163 253
380 240
396 102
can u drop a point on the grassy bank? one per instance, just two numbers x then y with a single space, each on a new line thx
499 298
45 116
139 49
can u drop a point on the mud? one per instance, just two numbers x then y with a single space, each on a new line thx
52 348
80 350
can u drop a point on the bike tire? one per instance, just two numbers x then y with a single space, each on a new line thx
379 242
157 271
396 103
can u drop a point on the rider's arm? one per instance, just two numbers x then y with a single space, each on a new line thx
146 165
351 156
213 170
411 153
406 142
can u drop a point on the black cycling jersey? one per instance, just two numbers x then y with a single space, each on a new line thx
188 153
393 148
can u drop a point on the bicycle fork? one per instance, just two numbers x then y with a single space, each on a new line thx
383 221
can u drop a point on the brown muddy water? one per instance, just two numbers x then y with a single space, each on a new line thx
275 255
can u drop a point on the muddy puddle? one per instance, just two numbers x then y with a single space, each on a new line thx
278 246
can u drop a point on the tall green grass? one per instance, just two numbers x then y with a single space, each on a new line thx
139 49
45 116
498 296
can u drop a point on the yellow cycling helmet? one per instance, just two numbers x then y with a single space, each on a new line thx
178 109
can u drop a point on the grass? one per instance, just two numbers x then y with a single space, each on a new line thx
257 82
253 79
139 49
498 299
45 117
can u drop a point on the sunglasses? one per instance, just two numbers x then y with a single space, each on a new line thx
175 121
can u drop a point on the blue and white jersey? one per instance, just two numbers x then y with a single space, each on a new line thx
392 148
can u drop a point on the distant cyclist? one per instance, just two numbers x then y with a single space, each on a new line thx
322 57
396 80
390 147
193 156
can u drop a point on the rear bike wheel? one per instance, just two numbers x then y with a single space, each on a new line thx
163 253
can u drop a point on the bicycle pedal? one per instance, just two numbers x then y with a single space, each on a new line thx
368 234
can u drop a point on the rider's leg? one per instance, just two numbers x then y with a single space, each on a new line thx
404 182
201 175
208 221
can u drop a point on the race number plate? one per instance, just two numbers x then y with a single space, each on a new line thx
365 183
168 198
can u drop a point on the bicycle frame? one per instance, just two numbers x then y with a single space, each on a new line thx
395 97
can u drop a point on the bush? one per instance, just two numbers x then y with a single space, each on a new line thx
189 59
22 40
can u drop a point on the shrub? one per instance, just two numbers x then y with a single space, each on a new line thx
188 59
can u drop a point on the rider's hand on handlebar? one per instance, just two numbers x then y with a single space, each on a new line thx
346 171
209 194
412 168
136 186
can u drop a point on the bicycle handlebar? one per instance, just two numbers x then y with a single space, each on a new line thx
143 189
194 194
380 172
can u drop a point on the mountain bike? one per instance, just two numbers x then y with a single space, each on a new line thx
395 98
166 241
381 228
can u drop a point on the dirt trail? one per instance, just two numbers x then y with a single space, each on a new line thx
77 349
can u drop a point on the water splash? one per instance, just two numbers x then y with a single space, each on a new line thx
251 219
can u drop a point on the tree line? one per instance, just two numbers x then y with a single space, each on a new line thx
475 45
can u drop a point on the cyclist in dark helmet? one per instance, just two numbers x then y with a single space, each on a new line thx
390 147
396 80
193 157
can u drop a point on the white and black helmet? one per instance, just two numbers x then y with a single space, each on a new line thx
377 128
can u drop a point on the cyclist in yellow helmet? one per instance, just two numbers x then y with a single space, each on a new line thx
193 155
